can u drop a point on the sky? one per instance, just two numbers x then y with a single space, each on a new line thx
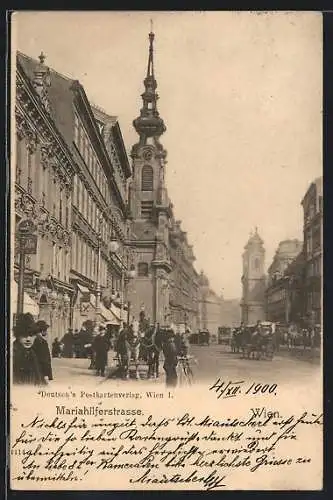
241 96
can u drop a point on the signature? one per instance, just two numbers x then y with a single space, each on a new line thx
210 481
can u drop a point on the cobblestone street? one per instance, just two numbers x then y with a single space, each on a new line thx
209 363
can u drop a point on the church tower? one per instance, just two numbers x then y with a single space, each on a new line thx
150 205
253 280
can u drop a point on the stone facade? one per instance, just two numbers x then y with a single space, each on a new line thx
312 204
44 172
284 279
253 280
210 307
230 313
77 174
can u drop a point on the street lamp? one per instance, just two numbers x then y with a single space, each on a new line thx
66 299
114 246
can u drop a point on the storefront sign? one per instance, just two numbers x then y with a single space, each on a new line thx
29 244
26 226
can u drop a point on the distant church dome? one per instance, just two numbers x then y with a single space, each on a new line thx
254 240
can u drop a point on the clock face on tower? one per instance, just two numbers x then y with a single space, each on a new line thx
147 155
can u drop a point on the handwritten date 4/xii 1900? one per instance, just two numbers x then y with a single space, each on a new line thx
230 388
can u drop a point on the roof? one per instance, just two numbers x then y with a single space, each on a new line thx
60 97
254 240
318 184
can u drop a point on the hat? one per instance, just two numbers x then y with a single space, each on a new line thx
41 326
171 334
25 325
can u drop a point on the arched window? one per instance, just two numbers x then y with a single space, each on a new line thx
142 269
147 178
257 264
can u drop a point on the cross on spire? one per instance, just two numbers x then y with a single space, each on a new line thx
150 68
149 124
42 57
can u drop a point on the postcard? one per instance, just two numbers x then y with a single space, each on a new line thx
166 251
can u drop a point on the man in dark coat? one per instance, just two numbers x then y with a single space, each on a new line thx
170 359
100 347
67 341
26 369
122 347
56 348
42 350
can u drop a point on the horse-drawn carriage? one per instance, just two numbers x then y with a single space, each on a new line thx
148 348
260 343
203 337
254 341
224 335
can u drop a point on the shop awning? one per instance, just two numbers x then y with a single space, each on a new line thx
83 289
107 315
29 305
110 316
116 311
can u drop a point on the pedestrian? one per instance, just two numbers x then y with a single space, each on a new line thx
67 341
26 369
122 347
170 359
56 348
42 350
77 344
101 347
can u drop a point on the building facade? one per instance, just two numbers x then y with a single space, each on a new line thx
231 313
253 280
44 176
210 307
87 259
284 283
166 286
312 204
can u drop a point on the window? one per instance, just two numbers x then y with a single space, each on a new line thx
80 137
59 266
29 162
60 206
147 178
18 160
142 269
78 193
320 203
76 129
73 252
256 264
146 209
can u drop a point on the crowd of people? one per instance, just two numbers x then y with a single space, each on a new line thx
132 346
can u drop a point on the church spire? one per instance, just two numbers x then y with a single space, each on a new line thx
149 123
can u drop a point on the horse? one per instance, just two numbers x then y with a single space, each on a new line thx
237 340
151 346
128 348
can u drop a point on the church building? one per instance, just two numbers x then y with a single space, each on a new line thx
253 280
166 286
